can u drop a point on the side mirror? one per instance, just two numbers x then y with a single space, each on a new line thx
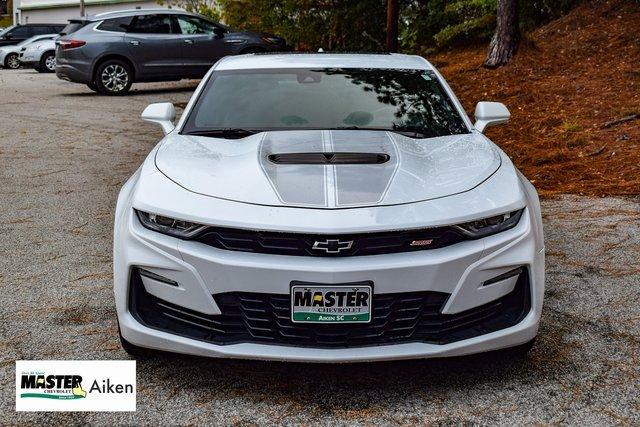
490 114
7 37
162 113
219 32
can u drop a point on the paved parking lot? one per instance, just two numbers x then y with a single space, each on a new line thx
65 152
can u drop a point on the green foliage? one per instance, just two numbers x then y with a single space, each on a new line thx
434 24
471 30
534 13
311 24
471 21
360 25
207 8
211 12
5 21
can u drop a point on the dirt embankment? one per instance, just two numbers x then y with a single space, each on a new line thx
570 79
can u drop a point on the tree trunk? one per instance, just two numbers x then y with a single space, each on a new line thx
504 43
392 25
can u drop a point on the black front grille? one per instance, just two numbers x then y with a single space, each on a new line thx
266 319
327 245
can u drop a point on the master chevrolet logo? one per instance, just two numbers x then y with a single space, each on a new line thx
52 386
333 246
331 303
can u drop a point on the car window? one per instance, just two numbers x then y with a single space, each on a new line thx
151 24
408 101
72 27
21 32
119 25
7 30
41 30
193 25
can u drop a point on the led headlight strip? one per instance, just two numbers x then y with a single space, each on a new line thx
488 226
170 226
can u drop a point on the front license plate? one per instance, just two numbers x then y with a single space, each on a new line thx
331 304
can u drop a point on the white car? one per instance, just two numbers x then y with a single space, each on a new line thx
40 55
10 55
327 208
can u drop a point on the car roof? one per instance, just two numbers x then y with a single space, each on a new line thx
324 60
40 25
134 12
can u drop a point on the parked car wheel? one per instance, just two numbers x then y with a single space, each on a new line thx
92 86
113 77
48 62
38 69
12 61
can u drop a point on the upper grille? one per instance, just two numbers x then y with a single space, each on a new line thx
249 317
270 242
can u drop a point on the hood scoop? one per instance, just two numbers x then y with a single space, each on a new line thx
328 158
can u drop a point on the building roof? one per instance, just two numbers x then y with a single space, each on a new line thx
323 60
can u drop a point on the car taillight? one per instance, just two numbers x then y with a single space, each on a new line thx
71 44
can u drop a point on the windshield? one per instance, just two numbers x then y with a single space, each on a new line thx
411 102
6 30
31 40
72 27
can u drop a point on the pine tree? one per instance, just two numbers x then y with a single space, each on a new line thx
504 43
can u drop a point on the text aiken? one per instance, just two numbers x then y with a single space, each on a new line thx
107 388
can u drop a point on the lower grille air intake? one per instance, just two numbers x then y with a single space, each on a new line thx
407 317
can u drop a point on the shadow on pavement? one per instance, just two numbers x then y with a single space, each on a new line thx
135 92
347 387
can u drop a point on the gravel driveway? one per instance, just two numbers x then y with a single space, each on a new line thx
65 152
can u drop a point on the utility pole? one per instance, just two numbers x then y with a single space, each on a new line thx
82 12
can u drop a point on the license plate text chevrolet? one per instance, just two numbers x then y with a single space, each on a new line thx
327 208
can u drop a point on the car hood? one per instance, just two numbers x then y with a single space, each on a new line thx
412 170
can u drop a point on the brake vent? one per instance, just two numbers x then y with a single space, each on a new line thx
328 158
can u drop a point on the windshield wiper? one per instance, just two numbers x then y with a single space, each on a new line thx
412 132
228 133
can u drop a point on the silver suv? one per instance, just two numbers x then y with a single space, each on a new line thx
110 51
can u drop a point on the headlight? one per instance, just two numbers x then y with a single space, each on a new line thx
170 226
488 226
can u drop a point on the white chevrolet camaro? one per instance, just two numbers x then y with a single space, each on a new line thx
327 208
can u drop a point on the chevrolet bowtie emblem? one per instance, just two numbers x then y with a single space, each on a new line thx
333 246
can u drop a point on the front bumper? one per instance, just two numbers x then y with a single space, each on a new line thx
202 271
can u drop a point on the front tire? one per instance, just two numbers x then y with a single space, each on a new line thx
12 61
113 78
48 63
92 86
